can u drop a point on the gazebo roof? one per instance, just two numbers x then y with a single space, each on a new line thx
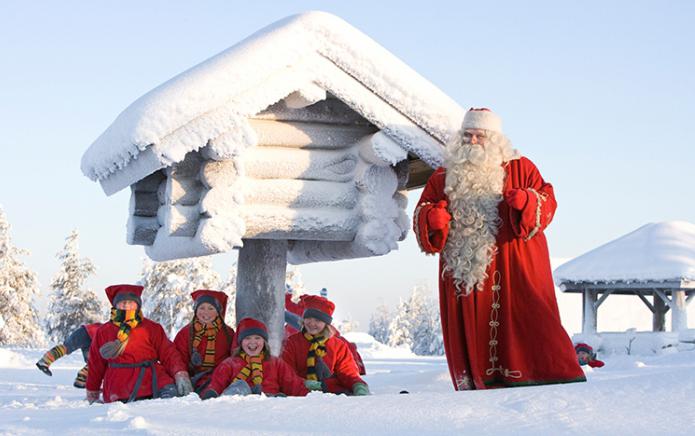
655 255
307 54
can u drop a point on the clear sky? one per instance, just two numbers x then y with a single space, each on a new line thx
600 95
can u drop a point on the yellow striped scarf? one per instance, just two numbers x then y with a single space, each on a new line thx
317 349
200 330
125 320
253 368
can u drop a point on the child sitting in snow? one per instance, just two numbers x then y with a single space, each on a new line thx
252 370
586 356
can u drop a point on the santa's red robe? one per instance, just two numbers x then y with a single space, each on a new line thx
510 335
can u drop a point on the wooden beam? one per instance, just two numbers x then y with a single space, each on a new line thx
663 296
679 316
645 301
603 298
418 173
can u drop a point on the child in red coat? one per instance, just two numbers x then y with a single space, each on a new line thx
252 370
132 356
317 354
206 341
586 356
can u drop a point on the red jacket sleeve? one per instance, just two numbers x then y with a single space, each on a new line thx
290 383
181 342
167 353
97 364
345 368
289 354
540 207
222 376
430 241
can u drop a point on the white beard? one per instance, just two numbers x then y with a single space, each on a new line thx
474 184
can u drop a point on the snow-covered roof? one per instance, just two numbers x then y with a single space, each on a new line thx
303 53
655 252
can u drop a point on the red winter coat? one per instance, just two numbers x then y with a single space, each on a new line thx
594 363
338 359
92 329
278 377
146 342
509 335
223 349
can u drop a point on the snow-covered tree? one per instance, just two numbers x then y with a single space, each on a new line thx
347 325
379 324
168 286
294 282
18 287
417 324
229 287
71 303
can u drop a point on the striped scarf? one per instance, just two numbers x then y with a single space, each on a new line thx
317 349
200 330
125 320
253 368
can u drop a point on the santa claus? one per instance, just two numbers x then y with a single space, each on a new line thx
485 212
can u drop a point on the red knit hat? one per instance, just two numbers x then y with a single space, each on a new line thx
318 307
216 298
584 347
118 293
250 326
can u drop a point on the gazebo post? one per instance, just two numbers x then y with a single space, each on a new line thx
261 272
679 316
589 311
659 316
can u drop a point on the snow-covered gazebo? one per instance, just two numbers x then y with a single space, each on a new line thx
657 260
297 144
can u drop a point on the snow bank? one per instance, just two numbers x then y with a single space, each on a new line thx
662 251
11 359
370 348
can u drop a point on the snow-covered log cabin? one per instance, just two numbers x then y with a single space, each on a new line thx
307 131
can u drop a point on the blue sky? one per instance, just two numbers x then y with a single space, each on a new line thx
600 95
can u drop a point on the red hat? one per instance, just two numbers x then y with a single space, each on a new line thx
584 347
118 293
250 326
318 307
217 298
482 118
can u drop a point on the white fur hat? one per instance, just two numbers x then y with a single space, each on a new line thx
482 118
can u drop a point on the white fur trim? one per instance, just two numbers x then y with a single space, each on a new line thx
477 119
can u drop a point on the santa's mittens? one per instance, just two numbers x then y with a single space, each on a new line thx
516 198
438 217
196 359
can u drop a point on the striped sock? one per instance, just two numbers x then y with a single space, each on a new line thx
53 354
81 379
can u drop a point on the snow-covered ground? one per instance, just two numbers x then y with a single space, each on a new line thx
630 395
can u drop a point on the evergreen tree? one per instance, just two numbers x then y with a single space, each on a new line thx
379 324
417 324
18 287
229 287
168 286
347 325
294 282
400 327
71 303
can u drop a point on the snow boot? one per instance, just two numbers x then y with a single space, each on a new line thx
49 357
81 379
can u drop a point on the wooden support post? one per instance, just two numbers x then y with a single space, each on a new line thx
679 316
261 286
659 319
589 311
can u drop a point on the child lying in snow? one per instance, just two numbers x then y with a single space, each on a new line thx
586 356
